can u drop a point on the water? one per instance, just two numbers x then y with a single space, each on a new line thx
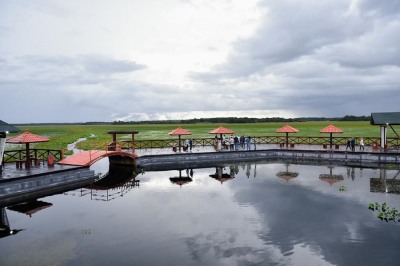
251 217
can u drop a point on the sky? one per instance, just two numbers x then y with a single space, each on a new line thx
137 60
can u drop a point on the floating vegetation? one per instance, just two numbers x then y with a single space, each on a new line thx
392 166
385 212
342 188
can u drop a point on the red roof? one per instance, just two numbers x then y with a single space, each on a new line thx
27 137
331 129
287 129
221 130
180 131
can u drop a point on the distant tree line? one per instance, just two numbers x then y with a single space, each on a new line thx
217 120
228 120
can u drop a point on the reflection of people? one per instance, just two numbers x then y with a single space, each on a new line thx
191 172
248 170
361 144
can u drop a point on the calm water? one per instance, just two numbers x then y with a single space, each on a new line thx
249 217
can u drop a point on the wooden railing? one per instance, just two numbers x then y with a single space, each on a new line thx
41 154
168 143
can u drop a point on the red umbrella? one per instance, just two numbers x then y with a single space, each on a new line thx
178 132
331 129
287 129
221 130
27 138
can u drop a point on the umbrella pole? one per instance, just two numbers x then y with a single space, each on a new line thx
179 144
331 141
287 140
27 160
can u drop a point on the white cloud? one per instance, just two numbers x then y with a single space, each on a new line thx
171 59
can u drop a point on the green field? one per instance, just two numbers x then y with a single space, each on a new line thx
97 137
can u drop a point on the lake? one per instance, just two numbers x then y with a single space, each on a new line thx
234 214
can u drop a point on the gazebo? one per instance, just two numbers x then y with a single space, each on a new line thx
384 120
331 129
4 130
178 132
287 129
27 138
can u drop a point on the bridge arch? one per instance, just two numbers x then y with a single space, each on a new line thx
87 158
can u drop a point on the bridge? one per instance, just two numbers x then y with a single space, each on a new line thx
87 158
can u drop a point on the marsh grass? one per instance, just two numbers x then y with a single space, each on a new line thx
97 137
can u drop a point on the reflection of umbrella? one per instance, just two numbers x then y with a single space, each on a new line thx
26 138
178 132
220 176
30 208
286 174
287 129
221 130
331 129
180 180
330 178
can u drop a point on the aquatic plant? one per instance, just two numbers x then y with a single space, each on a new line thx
342 188
385 213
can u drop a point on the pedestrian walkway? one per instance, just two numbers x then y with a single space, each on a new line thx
200 149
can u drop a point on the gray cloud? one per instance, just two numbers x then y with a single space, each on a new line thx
306 58
318 58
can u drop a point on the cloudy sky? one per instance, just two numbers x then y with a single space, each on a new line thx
102 60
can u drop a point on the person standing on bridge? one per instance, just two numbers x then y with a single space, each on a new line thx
248 143
362 144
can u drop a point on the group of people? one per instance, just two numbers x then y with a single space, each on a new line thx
234 143
351 144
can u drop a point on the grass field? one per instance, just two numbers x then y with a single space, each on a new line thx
62 135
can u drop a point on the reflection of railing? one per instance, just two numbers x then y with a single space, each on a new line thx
41 154
105 194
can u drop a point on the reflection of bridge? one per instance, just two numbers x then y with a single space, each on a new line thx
87 158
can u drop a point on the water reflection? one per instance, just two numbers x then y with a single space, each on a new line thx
30 207
118 181
287 175
182 180
385 183
246 221
331 178
5 229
